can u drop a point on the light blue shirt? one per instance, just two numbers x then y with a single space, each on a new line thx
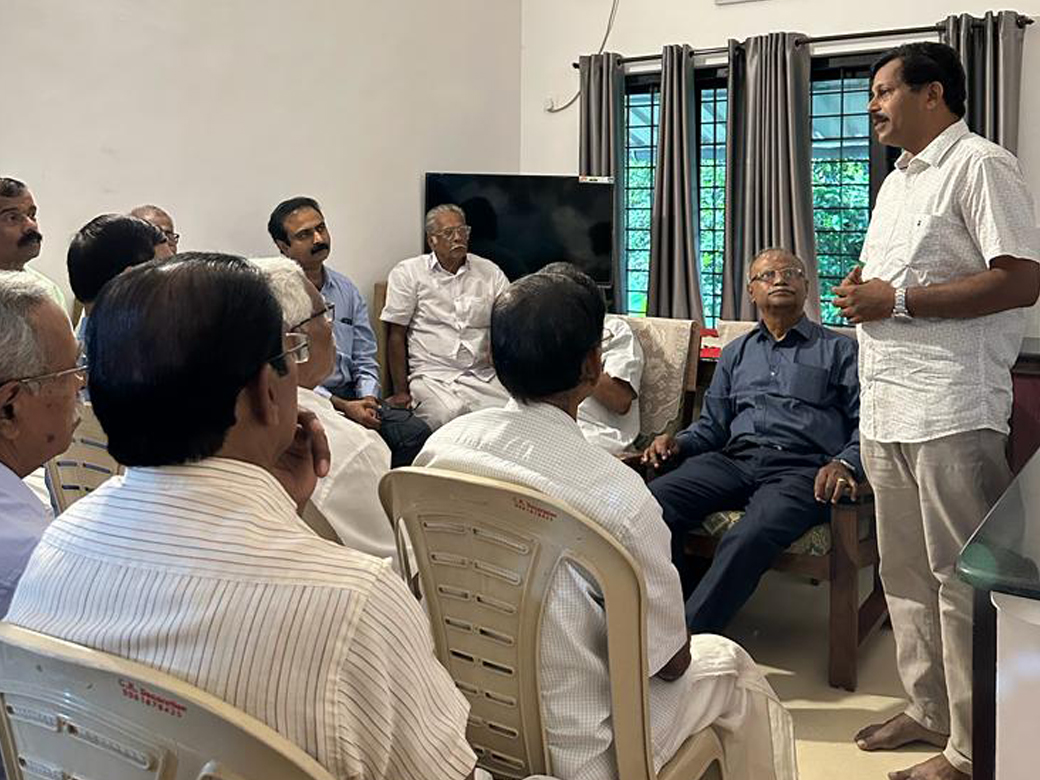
356 373
23 519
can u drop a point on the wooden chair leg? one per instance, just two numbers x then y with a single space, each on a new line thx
844 599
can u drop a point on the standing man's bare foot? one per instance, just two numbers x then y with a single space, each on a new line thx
936 768
896 732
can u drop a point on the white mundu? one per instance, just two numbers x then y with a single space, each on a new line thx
205 571
622 359
541 447
448 317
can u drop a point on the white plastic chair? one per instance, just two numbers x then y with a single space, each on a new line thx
84 466
487 552
72 712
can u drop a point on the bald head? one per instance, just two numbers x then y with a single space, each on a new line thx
161 219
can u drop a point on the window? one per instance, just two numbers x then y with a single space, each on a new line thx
848 166
642 116
712 197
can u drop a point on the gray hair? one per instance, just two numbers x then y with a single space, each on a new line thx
21 353
288 283
444 208
773 250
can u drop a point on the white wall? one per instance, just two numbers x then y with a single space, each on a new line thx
217 110
555 33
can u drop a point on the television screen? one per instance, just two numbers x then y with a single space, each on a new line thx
525 222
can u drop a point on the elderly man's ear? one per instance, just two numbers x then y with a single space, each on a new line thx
592 366
9 395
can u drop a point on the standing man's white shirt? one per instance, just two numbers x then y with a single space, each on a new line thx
205 571
448 317
348 496
540 446
622 359
943 214
23 519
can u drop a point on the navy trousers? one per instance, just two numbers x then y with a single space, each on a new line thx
775 489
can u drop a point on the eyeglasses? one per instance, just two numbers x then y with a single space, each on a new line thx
461 231
172 237
78 371
299 349
788 274
605 338
328 311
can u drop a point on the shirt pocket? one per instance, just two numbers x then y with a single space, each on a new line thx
937 249
805 383
475 310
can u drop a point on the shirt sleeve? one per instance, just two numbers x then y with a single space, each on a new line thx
623 356
401 296
711 430
366 369
399 712
848 382
500 281
998 210
649 543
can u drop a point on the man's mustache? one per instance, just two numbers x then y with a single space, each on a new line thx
319 248
30 237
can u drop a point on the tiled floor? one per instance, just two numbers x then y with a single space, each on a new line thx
784 627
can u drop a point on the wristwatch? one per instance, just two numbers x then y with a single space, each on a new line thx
899 311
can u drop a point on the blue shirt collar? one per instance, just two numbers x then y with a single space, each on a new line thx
803 328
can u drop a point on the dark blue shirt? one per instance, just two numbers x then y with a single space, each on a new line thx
799 394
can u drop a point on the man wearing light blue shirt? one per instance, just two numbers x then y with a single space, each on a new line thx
298 228
39 382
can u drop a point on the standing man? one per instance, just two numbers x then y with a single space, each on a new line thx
162 220
438 308
20 237
298 228
949 261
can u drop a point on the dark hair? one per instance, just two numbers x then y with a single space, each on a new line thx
276 224
171 344
575 274
10 188
105 247
542 329
923 63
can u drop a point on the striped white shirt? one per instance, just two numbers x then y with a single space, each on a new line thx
205 572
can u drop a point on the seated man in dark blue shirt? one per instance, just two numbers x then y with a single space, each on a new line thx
778 436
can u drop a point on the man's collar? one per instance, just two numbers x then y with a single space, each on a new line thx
934 153
803 328
432 263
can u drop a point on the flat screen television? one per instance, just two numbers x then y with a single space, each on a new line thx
525 222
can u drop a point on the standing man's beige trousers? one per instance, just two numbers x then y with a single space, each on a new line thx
930 497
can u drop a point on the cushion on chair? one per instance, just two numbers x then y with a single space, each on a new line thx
815 541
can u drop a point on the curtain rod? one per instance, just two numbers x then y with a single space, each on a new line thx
1023 21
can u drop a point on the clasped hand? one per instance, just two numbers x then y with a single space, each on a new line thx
861 301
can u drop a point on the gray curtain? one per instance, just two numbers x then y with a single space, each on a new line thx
991 50
768 173
600 139
675 289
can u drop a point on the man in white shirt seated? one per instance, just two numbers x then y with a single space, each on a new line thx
609 418
39 380
545 340
348 496
195 561
438 308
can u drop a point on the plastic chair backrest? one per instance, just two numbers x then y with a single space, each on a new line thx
84 466
69 711
671 349
487 553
